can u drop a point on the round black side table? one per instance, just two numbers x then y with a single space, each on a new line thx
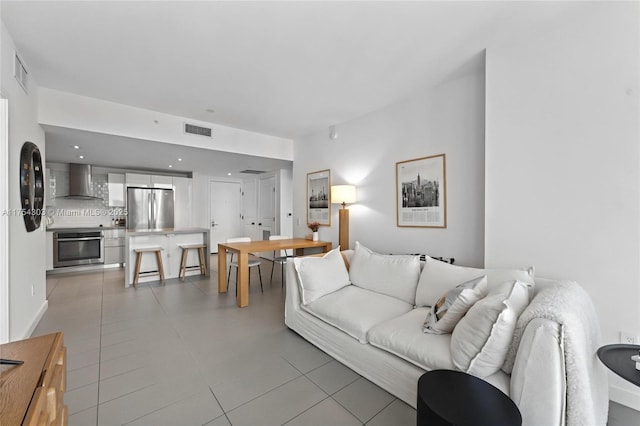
447 397
617 358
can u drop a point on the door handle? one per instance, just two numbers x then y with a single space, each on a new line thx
213 223
259 224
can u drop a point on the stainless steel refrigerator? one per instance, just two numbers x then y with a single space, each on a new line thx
149 208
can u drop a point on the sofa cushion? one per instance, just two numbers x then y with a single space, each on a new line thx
318 276
480 341
403 337
451 307
355 310
393 275
439 277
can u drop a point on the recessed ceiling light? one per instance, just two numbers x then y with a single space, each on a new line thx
228 174
81 156
76 147
170 166
179 159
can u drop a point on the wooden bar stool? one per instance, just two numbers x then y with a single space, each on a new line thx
201 257
139 252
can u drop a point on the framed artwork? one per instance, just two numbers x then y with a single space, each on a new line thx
319 197
421 192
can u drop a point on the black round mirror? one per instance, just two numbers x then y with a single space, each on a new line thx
31 186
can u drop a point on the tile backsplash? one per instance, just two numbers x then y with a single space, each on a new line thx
72 213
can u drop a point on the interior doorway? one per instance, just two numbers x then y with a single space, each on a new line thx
225 214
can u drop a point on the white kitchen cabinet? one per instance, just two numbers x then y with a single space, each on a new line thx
136 179
116 189
114 246
49 250
181 202
149 181
161 182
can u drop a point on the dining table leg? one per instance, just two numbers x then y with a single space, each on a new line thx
222 270
243 279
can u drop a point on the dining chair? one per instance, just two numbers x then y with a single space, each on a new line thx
234 264
279 258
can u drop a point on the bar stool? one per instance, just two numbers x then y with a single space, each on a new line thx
183 260
139 252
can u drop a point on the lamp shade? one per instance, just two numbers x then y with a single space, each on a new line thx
343 194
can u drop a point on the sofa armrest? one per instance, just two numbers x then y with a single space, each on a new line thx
538 384
292 299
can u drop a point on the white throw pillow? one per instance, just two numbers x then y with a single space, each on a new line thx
480 341
394 275
439 277
318 276
451 307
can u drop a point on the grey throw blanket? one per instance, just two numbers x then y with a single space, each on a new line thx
587 385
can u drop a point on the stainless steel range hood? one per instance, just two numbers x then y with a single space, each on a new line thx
80 183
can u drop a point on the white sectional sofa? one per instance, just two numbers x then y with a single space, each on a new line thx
371 319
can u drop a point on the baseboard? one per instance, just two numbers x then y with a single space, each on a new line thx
624 397
36 320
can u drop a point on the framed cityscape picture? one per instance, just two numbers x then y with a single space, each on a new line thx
319 197
421 192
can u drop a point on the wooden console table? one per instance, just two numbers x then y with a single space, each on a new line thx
243 250
33 393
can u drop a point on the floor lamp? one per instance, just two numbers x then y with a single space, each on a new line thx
343 194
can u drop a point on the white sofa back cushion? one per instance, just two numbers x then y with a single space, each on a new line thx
394 275
481 339
437 278
318 276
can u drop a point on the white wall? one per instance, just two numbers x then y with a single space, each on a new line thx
447 117
65 109
562 159
26 249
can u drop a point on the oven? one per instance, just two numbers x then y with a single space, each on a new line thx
73 248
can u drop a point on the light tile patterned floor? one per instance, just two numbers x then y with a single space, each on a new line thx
182 354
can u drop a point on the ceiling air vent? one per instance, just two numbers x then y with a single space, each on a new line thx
20 72
197 130
252 172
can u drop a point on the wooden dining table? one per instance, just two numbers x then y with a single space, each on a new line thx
243 249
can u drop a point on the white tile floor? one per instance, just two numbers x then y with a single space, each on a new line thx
182 354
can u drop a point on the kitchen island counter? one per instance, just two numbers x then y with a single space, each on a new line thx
166 231
82 228
170 240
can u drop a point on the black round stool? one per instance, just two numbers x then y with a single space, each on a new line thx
447 397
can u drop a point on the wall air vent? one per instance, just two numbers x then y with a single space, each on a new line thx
20 72
252 172
197 130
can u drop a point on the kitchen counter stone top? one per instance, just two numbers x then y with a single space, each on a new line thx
133 232
83 228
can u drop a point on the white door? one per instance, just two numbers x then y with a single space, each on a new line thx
250 208
267 207
225 219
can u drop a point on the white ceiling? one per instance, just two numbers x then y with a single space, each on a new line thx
139 154
279 68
